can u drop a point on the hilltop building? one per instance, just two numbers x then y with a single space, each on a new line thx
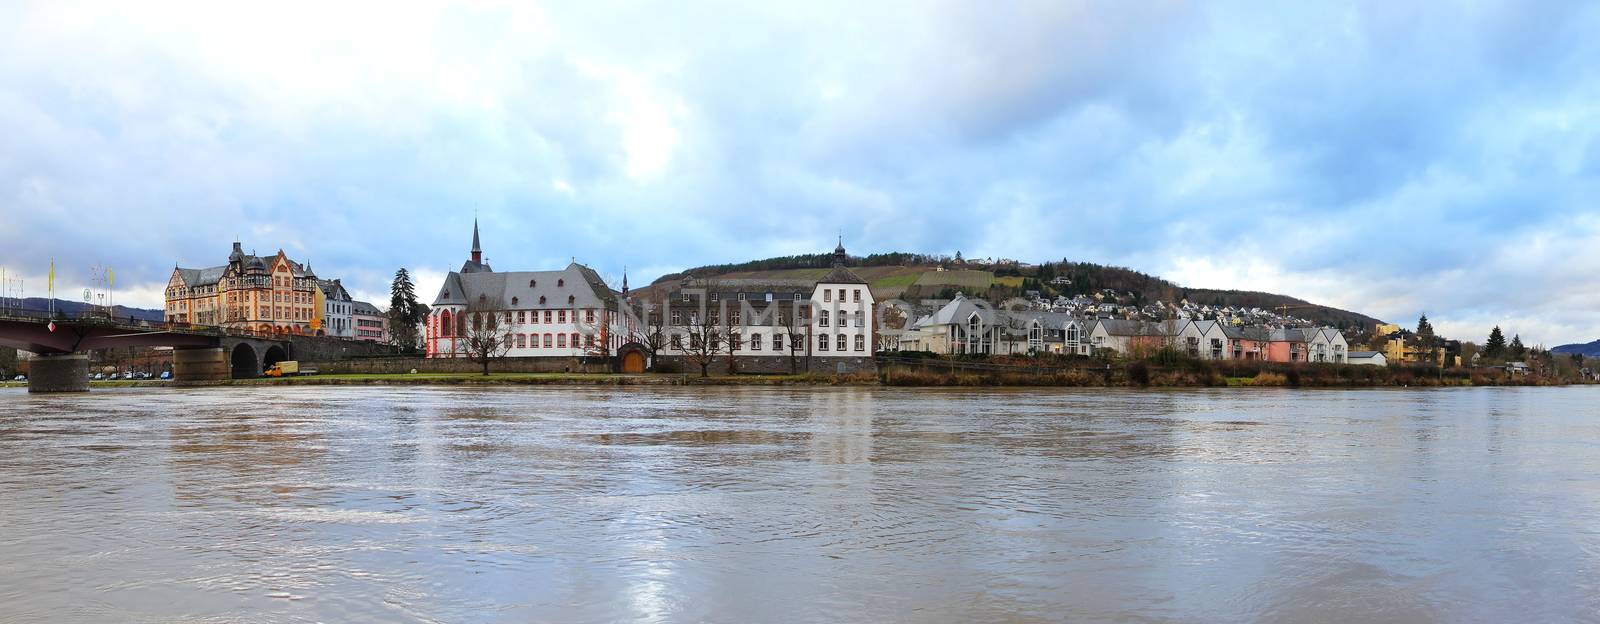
269 295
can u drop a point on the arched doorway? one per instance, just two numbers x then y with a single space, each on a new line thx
245 364
633 358
633 362
273 355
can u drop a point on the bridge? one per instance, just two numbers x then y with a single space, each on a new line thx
60 345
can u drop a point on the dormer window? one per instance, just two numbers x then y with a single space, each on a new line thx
571 299
483 298
513 301
541 299
532 283
561 283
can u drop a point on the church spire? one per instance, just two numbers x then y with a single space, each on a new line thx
838 253
624 281
477 250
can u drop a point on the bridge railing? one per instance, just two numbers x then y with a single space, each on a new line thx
103 318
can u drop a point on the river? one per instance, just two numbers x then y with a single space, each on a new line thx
555 504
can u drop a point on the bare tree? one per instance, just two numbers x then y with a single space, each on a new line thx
704 341
796 323
891 320
481 335
651 330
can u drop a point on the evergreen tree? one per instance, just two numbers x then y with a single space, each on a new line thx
1424 328
404 312
1496 346
1517 350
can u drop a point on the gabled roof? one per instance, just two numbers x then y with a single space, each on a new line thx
958 311
839 274
522 289
365 309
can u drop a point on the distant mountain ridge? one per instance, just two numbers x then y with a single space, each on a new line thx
914 276
1588 350
73 308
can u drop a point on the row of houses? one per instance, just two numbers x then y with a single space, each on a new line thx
972 326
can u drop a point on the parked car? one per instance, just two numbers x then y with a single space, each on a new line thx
166 374
98 376
20 378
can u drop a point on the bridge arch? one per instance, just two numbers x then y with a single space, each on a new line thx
273 355
245 363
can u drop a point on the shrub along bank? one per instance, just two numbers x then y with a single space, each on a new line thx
1171 371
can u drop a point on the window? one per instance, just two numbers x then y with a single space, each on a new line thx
522 317
755 342
561 316
735 342
683 297
574 340
741 296
841 295
514 301
694 341
531 283
547 318
508 341
844 342
541 302
522 340
716 341
508 317
861 318
677 342
714 296
561 283
548 341
733 318
822 318
861 342
769 297
822 342
677 317
777 342
857 295
797 296
827 295
561 341
844 321
588 316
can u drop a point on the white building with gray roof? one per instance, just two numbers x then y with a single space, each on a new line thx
562 313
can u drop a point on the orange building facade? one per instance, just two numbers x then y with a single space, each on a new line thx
267 295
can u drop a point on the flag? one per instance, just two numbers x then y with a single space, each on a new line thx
52 276
111 278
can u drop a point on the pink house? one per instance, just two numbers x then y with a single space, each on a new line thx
1247 343
1286 345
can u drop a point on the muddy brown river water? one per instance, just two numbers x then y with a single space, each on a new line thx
375 504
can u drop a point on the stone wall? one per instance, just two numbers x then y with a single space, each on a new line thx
774 365
328 348
395 365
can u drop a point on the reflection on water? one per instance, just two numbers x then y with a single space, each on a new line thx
799 505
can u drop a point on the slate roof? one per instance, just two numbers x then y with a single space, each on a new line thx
522 289
364 309
1364 354
841 274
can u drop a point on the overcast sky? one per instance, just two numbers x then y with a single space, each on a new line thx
1389 158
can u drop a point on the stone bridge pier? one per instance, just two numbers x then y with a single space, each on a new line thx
66 372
